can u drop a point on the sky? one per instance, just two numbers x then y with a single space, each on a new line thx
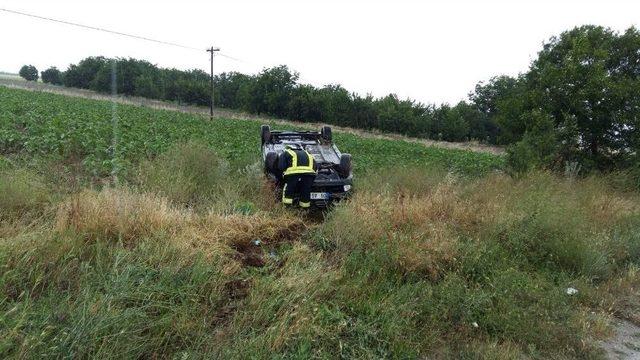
429 51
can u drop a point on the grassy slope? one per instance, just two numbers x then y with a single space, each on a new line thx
54 124
424 261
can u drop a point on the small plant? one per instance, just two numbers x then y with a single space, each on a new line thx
572 169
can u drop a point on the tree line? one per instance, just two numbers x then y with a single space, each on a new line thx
577 105
277 92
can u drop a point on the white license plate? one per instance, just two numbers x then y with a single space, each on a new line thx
319 196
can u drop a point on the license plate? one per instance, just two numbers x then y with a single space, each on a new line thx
319 196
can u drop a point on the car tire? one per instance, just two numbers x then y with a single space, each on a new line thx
345 165
265 133
325 133
270 162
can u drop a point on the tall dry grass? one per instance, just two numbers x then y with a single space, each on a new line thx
497 252
121 215
415 265
118 215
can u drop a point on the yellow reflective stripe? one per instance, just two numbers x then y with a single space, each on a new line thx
305 204
299 171
286 200
294 168
294 157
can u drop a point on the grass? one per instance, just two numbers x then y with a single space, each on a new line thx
21 193
191 256
48 124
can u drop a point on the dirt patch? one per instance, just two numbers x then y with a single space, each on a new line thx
625 344
253 252
236 291
237 115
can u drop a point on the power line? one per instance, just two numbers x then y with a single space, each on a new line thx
113 32
102 29
231 57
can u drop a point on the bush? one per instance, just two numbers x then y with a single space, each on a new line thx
29 73
187 174
538 147
194 176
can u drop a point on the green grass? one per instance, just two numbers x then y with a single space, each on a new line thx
192 257
48 124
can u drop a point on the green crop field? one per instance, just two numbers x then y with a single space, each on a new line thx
187 253
48 124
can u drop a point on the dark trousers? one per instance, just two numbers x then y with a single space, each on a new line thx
298 184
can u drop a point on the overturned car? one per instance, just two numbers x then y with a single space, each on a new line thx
334 173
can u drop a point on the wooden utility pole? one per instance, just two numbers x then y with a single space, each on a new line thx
212 50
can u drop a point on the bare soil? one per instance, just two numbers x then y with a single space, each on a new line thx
625 343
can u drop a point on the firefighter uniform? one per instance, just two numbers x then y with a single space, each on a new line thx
299 174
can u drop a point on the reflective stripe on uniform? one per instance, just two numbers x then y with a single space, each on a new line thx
294 168
286 200
305 204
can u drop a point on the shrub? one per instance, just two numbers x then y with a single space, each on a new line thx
194 176
538 147
187 174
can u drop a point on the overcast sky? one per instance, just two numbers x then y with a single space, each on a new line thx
431 51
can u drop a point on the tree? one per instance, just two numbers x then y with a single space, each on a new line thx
52 76
272 90
538 147
29 73
334 104
82 75
590 76
488 98
231 90
148 86
305 104
399 116
486 95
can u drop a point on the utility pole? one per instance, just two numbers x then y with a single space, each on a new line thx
212 50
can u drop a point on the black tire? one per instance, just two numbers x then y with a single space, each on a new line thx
270 162
345 165
265 133
325 133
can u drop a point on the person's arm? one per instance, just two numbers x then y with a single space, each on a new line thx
284 161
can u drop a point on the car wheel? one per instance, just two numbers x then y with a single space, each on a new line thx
265 131
325 133
345 165
270 162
